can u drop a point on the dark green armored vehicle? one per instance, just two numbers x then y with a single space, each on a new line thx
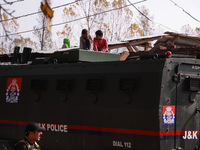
92 101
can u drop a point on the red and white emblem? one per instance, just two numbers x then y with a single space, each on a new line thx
13 90
169 114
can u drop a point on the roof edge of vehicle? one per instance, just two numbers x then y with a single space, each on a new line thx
147 45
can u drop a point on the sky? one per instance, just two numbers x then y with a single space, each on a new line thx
165 13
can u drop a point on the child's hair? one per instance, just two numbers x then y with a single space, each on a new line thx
99 32
84 31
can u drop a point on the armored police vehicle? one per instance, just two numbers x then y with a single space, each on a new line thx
92 101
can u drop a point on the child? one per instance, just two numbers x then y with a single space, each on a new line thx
66 43
85 40
100 43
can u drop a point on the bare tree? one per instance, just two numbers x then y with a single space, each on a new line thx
187 29
40 31
197 30
145 21
70 29
8 25
112 17
5 13
24 42
134 31
119 20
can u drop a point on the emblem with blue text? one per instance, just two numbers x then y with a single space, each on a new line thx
169 115
13 89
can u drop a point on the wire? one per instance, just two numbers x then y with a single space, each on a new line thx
10 3
65 4
149 18
97 14
185 11
39 11
75 19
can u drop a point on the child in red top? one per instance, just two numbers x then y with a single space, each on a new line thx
100 43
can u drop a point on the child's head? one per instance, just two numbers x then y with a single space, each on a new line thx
99 34
84 32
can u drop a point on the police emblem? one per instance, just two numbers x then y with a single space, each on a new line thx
13 90
168 115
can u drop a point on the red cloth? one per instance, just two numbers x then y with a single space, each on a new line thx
100 44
